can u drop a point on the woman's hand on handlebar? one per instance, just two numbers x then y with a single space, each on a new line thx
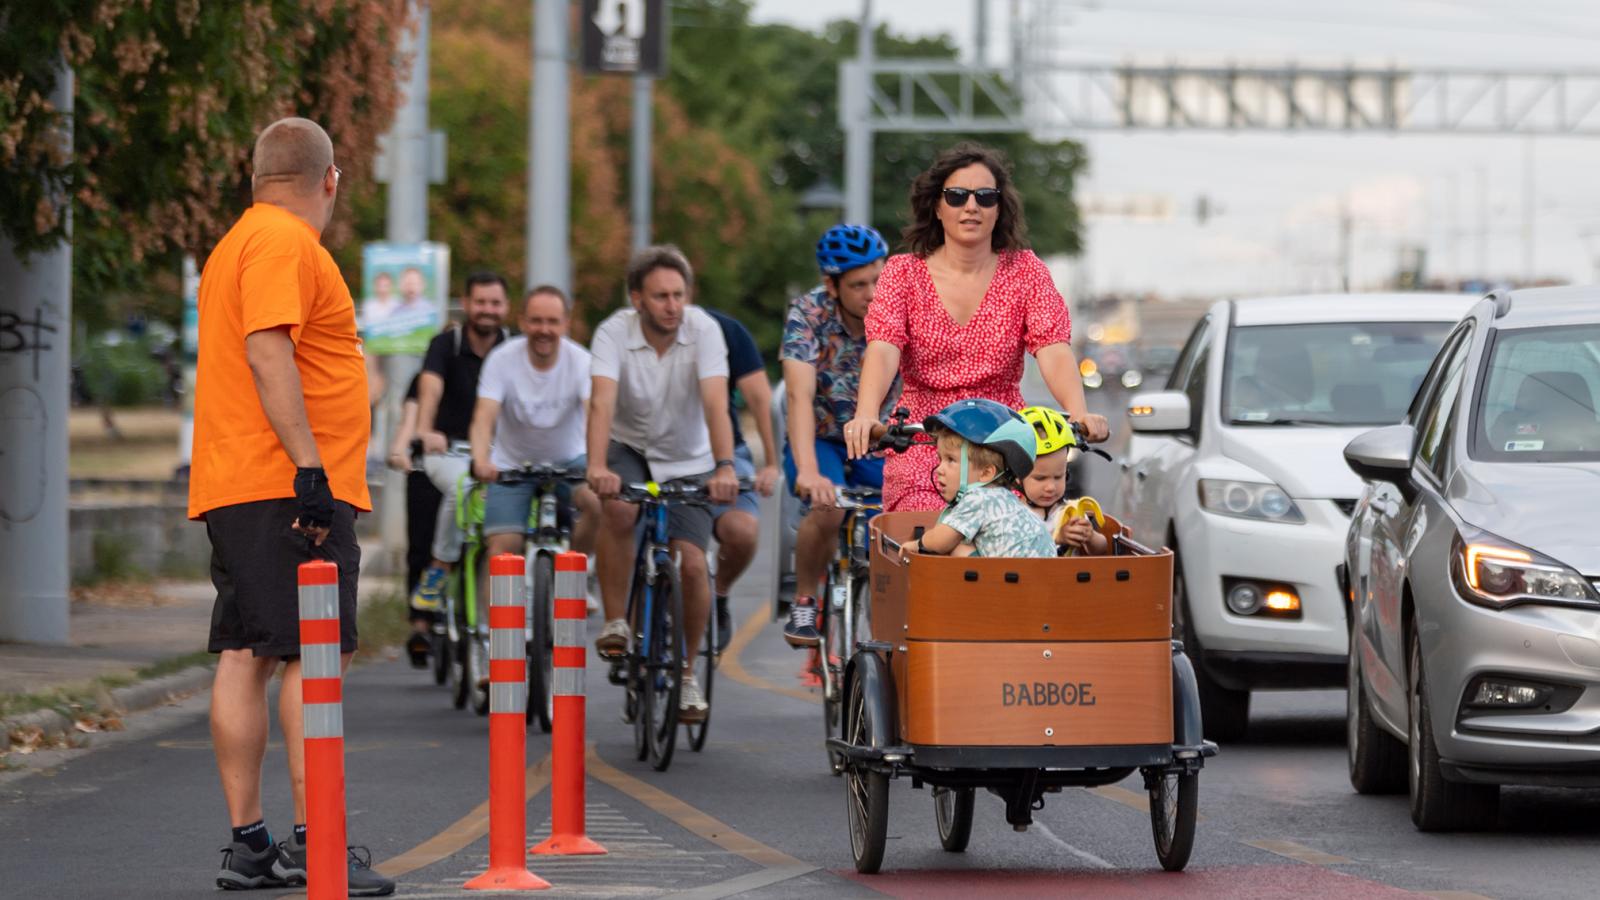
1095 428
859 435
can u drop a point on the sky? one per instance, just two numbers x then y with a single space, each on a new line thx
1466 201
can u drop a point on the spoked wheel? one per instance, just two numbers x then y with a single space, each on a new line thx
705 667
1174 801
634 671
832 674
866 791
952 810
541 644
662 675
461 672
439 650
479 669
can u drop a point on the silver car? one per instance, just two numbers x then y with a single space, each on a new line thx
1472 567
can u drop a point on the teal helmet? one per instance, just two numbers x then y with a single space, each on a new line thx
992 425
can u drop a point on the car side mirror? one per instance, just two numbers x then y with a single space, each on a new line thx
1159 412
1384 454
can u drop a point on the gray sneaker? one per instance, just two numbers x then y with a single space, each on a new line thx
291 867
243 869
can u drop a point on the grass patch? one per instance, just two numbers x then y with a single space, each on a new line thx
73 700
381 622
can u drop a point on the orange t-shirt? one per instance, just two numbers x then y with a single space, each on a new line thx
270 271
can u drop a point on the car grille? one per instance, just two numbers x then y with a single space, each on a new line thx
1348 507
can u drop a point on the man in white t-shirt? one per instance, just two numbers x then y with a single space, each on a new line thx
533 395
659 412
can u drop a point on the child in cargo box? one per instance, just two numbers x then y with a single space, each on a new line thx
1045 488
984 448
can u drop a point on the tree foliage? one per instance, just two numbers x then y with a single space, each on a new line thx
169 95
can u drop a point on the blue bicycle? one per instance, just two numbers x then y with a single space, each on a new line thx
652 670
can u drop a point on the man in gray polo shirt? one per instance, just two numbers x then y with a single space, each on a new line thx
658 411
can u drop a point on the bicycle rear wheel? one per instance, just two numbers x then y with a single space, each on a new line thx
541 647
663 672
704 669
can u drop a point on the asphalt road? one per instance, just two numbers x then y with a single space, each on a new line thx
758 814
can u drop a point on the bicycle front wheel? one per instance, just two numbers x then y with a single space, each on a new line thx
541 646
663 669
704 669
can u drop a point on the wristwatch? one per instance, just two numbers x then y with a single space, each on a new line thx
723 462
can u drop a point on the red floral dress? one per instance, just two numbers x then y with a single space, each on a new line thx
942 362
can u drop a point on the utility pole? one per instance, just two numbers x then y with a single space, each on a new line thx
641 150
549 163
980 55
406 222
35 384
1346 227
858 130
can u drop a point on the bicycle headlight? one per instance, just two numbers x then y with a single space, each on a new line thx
1496 573
1249 500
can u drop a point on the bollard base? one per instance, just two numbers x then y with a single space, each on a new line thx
507 878
567 845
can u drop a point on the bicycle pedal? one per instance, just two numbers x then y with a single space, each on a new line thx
618 674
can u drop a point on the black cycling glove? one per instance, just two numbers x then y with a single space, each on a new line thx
316 500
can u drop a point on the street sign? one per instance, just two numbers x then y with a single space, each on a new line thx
626 37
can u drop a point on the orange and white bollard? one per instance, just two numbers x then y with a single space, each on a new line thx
508 738
567 837
322 716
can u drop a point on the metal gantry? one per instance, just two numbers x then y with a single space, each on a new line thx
1056 100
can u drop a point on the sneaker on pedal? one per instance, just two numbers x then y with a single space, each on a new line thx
801 629
429 594
692 706
613 640
363 882
417 647
244 869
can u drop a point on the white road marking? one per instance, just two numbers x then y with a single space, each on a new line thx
1084 855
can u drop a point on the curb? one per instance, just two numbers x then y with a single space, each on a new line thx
133 698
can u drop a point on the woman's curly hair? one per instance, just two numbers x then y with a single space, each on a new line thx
925 234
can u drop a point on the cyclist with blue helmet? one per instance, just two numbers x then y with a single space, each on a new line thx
985 449
824 340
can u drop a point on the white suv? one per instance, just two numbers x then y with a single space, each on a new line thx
1237 467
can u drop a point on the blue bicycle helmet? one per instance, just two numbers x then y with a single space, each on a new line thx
993 425
846 247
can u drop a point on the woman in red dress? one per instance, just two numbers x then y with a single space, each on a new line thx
956 314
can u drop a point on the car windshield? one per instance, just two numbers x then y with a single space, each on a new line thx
1328 373
1536 402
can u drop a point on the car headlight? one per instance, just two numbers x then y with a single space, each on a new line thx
1496 573
1249 500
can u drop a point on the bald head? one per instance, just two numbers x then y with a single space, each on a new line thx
295 153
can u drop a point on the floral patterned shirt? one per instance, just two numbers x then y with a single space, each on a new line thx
815 335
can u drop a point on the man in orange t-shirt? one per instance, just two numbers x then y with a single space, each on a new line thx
278 474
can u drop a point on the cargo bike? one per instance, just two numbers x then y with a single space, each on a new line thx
1020 677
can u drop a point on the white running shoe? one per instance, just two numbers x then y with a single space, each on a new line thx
692 706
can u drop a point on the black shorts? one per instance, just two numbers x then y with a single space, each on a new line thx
255 556
684 523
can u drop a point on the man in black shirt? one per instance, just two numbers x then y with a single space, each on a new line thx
447 391
738 527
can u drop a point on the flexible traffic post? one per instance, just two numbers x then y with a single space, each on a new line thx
508 739
322 718
567 837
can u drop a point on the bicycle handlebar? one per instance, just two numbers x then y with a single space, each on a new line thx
541 474
694 493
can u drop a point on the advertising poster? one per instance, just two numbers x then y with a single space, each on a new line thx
405 291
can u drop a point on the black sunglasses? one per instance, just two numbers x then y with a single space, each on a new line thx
987 197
